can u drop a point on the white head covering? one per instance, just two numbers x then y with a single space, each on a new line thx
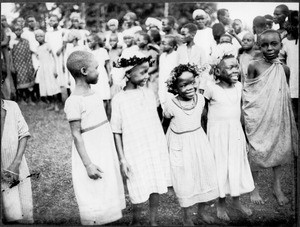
113 22
199 12
153 21
128 32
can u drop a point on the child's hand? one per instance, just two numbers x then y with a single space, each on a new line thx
93 171
10 174
55 75
58 52
125 169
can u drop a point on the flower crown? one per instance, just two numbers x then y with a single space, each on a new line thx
133 61
215 63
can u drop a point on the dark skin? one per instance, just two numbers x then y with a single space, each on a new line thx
270 46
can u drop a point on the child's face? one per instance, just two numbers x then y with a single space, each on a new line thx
31 22
225 39
165 45
53 22
112 27
186 85
139 76
229 71
40 37
270 45
75 23
141 42
128 40
92 72
237 26
91 42
187 37
279 17
18 31
113 41
165 25
128 22
70 38
200 21
248 42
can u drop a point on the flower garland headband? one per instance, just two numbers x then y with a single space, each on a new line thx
132 62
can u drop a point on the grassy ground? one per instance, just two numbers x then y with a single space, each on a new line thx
49 153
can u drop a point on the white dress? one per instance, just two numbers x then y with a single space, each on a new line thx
134 115
102 85
14 129
100 201
193 168
228 141
48 84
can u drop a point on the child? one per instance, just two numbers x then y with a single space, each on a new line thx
193 54
247 53
193 170
139 138
266 97
102 86
269 20
14 136
22 64
168 60
168 25
95 169
114 50
47 74
226 136
113 25
143 41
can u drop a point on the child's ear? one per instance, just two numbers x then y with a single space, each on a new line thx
83 71
217 71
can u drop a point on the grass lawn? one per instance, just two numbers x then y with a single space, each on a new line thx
49 153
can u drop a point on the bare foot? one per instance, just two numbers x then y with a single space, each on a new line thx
280 197
56 109
255 197
222 213
135 223
245 210
206 217
188 222
51 107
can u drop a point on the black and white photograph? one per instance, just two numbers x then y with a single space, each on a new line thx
150 113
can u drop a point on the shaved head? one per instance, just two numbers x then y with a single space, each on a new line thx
78 60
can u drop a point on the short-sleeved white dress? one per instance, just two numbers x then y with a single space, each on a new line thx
100 201
134 115
193 169
227 139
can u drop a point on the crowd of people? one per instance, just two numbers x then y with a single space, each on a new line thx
150 106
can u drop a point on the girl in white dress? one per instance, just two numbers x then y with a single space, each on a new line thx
103 85
47 71
226 136
139 138
193 169
96 174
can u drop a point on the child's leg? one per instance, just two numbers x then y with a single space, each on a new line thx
204 215
153 203
55 100
136 215
31 96
221 210
107 106
237 205
51 103
187 217
254 195
281 198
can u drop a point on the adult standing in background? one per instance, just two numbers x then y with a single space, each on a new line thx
224 18
280 14
204 37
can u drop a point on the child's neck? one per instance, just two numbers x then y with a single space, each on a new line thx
224 84
96 47
41 43
169 52
249 51
130 86
75 43
82 87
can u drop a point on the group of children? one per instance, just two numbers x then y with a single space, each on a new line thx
154 137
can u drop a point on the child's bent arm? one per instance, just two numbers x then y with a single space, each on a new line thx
15 165
251 71
93 171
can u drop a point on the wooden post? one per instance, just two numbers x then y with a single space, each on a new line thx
166 11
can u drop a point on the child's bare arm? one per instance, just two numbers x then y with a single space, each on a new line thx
125 168
93 171
14 169
108 70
